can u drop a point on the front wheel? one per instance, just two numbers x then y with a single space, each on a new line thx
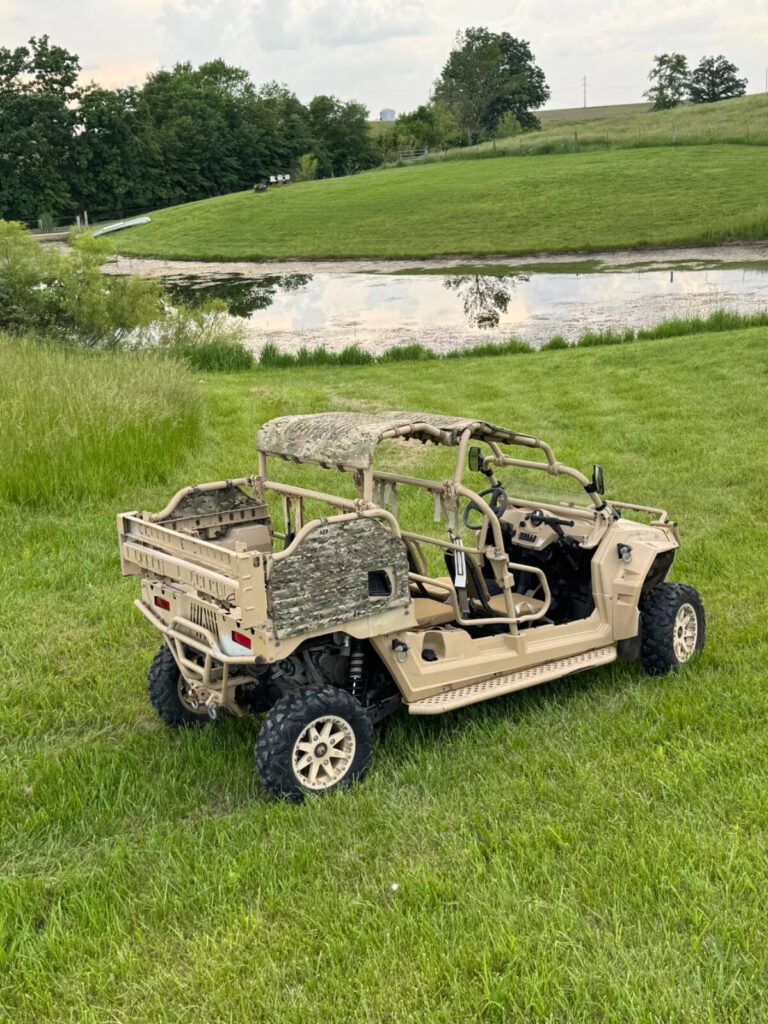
313 740
673 627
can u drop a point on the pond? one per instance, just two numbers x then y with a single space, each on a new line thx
448 310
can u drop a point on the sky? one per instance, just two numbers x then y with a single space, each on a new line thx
387 53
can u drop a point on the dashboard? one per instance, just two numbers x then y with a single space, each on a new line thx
527 532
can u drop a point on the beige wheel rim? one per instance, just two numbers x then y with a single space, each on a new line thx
686 632
185 699
323 753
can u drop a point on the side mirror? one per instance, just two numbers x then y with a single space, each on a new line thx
475 459
598 481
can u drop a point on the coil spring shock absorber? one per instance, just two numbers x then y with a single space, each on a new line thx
357 670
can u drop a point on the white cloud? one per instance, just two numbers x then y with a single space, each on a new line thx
388 52
367 21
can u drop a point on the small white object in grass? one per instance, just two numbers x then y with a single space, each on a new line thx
394 887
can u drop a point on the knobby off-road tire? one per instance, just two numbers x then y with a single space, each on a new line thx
164 686
673 627
313 740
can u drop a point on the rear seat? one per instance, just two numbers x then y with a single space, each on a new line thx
523 605
430 613
255 537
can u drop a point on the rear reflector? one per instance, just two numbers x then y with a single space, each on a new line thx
162 603
242 639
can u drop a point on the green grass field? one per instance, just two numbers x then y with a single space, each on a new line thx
563 203
592 850
742 120
568 115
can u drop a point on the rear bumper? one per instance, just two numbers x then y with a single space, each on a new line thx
183 631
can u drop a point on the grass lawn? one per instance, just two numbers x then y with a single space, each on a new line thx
611 111
744 119
561 203
592 850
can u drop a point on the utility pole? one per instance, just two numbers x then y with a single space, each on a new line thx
584 87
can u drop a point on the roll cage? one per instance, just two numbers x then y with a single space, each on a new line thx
348 441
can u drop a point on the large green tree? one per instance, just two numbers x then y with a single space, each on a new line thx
488 74
38 94
106 156
713 79
342 143
527 88
431 124
669 76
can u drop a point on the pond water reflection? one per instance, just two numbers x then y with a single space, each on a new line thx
447 311
242 296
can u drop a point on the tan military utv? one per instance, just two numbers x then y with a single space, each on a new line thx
343 614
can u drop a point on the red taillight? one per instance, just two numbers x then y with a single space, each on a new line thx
242 639
162 603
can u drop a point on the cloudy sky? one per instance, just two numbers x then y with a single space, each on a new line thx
386 53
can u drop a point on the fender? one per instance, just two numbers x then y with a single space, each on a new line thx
630 559
649 564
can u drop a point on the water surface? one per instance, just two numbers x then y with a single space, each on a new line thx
447 311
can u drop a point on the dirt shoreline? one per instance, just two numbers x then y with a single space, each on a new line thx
657 259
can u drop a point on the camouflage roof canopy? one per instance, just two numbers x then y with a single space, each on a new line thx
348 439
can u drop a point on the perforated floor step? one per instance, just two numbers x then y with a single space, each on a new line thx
488 688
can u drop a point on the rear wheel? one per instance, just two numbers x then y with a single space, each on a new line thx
168 693
673 627
313 740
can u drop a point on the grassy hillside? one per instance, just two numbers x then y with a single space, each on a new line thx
743 120
592 850
549 118
557 203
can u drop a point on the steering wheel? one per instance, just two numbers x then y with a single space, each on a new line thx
498 500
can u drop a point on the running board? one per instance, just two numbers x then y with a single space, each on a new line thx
488 688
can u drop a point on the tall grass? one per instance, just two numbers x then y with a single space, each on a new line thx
720 320
206 339
742 121
80 425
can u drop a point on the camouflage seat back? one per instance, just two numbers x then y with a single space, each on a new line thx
339 572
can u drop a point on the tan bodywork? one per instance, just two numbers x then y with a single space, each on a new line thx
209 567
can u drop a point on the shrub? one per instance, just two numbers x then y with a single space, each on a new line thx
307 169
80 425
206 338
66 294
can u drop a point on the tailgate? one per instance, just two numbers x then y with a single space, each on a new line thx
235 578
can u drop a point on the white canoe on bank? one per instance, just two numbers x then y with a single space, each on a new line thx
120 225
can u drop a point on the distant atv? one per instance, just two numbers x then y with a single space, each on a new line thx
345 619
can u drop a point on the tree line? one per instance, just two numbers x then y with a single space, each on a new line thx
490 87
187 133
190 133
713 79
